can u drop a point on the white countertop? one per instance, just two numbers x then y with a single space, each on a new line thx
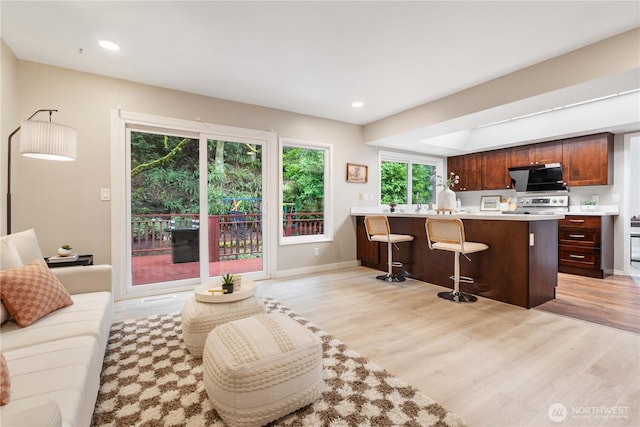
495 216
475 213
602 210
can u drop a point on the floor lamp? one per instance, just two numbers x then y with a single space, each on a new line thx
41 140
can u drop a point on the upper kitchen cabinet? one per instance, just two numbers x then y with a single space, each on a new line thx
588 160
467 167
495 173
537 154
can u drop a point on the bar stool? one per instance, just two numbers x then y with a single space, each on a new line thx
378 230
448 235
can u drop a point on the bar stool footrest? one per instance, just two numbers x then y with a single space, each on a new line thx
463 279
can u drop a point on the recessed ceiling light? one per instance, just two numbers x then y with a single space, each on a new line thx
109 45
357 104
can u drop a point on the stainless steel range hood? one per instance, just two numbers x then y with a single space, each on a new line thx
538 178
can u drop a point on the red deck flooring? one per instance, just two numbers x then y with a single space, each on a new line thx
159 268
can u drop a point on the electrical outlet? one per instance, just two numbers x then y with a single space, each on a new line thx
316 251
616 197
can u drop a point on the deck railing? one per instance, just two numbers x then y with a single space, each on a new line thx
231 236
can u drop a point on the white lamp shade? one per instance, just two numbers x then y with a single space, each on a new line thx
47 140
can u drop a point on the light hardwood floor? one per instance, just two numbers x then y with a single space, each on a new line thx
492 363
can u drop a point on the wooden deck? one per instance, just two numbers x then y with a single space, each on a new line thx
159 268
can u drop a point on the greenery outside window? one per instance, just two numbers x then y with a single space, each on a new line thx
407 180
305 192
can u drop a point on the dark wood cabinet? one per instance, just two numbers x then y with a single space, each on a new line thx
549 152
512 270
536 154
494 171
588 160
585 245
456 164
368 252
467 167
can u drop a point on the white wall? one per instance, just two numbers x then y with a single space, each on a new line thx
61 200
634 157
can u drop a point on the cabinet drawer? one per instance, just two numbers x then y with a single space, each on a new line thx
579 257
576 236
579 221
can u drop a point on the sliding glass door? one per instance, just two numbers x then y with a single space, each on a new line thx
195 207
235 214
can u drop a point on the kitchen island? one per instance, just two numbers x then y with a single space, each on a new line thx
520 267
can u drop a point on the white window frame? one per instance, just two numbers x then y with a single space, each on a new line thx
392 156
327 236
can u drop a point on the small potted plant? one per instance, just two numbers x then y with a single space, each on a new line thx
227 283
589 205
64 250
392 205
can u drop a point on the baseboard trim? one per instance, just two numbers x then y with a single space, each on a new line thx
315 269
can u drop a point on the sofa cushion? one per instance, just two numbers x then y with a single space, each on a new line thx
91 315
5 382
9 258
37 411
26 244
32 291
65 371
4 313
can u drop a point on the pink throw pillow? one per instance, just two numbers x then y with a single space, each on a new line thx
31 292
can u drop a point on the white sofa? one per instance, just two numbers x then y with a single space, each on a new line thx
54 364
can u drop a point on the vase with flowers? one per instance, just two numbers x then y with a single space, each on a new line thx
446 198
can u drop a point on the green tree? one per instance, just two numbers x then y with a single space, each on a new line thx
422 183
303 176
393 182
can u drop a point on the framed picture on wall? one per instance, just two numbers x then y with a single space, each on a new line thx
357 173
490 203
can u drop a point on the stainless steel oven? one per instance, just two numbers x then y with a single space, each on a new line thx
540 203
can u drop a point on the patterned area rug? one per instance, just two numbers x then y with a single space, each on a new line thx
150 379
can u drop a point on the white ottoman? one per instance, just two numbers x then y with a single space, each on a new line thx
200 318
261 368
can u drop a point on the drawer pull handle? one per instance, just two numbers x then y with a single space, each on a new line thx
581 236
577 220
576 256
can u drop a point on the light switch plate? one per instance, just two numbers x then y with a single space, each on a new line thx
105 194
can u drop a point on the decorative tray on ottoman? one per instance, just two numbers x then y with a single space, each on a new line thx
247 289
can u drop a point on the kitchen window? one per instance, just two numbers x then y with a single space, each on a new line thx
407 179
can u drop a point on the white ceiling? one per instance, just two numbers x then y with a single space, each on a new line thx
313 58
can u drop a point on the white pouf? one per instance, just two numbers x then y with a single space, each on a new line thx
200 318
261 368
